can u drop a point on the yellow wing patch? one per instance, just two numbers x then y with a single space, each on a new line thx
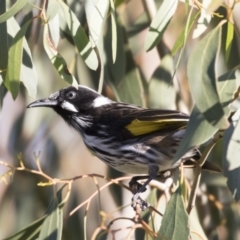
138 127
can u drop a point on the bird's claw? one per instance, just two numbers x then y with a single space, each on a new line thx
137 200
135 186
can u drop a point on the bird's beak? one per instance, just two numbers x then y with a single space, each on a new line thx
45 102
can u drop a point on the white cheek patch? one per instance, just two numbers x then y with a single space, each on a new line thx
68 106
100 101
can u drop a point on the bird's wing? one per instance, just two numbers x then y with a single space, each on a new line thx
151 120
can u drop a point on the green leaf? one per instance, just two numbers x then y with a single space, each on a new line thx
17 6
140 24
202 78
3 44
116 71
198 131
52 226
184 34
101 51
175 220
227 85
131 89
12 79
195 225
53 21
56 59
229 40
114 31
28 74
213 6
161 93
32 231
54 31
96 13
203 21
123 76
160 22
52 9
79 37
231 152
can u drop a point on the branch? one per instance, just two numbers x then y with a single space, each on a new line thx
200 163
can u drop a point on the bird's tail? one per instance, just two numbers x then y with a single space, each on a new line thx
211 167
191 163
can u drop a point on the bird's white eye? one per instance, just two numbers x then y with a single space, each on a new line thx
71 95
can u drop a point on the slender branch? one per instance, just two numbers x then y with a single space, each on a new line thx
111 181
43 11
121 218
193 194
200 163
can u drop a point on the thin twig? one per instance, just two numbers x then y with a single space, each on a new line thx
200 163
111 181
193 194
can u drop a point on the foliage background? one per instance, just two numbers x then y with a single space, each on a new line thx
138 76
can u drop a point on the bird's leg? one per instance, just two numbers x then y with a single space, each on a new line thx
153 172
135 185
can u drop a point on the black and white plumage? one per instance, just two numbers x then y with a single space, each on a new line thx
128 138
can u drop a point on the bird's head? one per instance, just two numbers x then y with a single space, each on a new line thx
72 100
76 105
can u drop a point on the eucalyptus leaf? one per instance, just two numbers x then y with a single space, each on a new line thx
131 88
199 130
52 9
101 60
123 76
32 231
3 44
13 73
195 225
175 223
184 34
56 59
28 74
114 30
213 6
202 78
16 7
79 37
118 69
227 86
52 226
231 152
203 21
54 31
229 40
161 92
160 22
96 13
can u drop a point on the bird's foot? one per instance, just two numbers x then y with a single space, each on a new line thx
135 186
138 201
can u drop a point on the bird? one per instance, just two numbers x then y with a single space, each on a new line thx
128 138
